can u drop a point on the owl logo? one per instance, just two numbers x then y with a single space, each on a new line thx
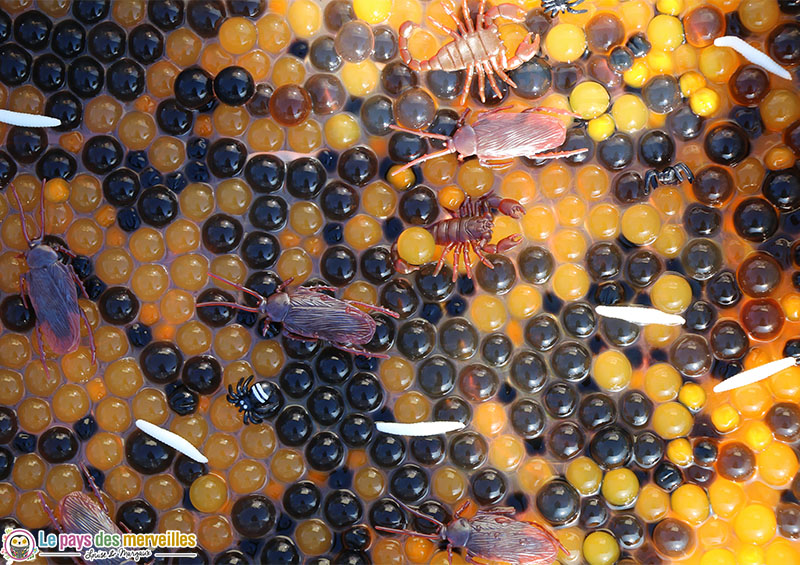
18 545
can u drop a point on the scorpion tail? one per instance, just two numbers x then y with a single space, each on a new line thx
402 44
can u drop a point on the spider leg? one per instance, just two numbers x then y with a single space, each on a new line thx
571 10
650 179
683 167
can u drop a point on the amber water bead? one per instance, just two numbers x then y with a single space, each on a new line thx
702 25
749 85
150 404
137 130
290 104
104 450
163 491
29 470
763 318
113 414
603 32
70 403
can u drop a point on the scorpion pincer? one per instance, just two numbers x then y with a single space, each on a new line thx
477 48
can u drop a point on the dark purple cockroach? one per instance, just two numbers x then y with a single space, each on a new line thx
307 314
81 514
491 535
49 287
498 136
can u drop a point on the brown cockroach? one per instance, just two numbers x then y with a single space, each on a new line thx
477 48
470 227
307 314
498 136
491 535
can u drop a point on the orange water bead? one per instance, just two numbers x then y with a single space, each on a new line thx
27 99
70 403
31 513
29 471
247 476
273 32
448 484
62 480
182 236
396 374
237 35
11 387
256 62
780 108
104 450
222 450
215 533
208 493
177 519
489 419
214 58
389 552
231 120
15 350
167 154
718 63
183 47
86 193
224 415
8 498
369 483
124 377
287 465
102 114
150 404
506 452
113 414
265 135
419 550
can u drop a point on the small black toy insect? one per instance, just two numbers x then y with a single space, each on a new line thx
669 175
554 7
307 314
258 402
491 535
49 287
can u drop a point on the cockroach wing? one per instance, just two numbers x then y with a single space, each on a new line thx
500 538
80 514
316 315
519 134
52 293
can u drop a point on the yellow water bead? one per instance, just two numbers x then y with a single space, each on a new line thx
533 474
123 377
104 450
641 224
600 548
671 293
752 401
692 396
440 170
230 120
129 14
635 14
362 232
379 200
177 306
400 179
726 497
193 338
11 387
704 102
15 350
360 78
183 46
691 82
672 420
659 62
267 358
84 236
189 271
777 464
313 537
31 513
294 263
396 374
584 475
475 179
652 504
113 414
232 342
369 483
237 35
223 449
785 385
725 418
756 435
601 127
86 193
555 180
718 557
612 370
538 223
780 108
288 70
715 532
372 11
208 493
668 200
603 221
361 291
589 99
146 244
273 32
233 196
620 487
256 62
565 42
161 77
662 382
570 282
665 32
781 552
150 404
167 153
102 114
506 452
523 301
519 186
448 484
8 497
755 523
637 75
305 137
690 503
489 419
416 246
305 218
342 131
70 403
718 63
264 135
629 113
759 16
114 266
388 552
488 313
568 245
411 407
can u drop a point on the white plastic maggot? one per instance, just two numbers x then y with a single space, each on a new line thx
640 315
28 120
418 429
753 55
171 439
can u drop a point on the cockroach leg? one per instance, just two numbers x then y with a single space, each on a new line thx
318 288
406 533
21 215
425 157
23 292
41 211
90 331
379 309
549 110
299 337
422 515
357 351
41 353
93 486
419 133
460 510
450 554
284 284
236 286
557 154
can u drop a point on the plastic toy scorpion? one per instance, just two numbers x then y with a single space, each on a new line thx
669 175
477 48
554 7
471 227
492 535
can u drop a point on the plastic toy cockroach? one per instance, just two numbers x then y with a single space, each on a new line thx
497 136
82 516
477 48
307 314
470 227
257 402
49 287
491 535
669 175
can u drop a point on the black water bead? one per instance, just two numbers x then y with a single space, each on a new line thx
727 144
536 264
596 410
15 64
293 425
527 418
419 206
558 502
723 290
364 392
356 430
377 114
254 515
500 278
570 361
324 451
146 44
648 449
16 314
700 316
533 79
616 151
496 349
107 41
784 421
728 340
8 424
628 530
161 362
146 454
755 219
428 450
305 178
57 444
137 516
488 487
265 173
565 440
387 451
611 447
408 483
782 189
280 550
234 86
32 29
342 509
26 144
630 188
661 94
468 450
560 400
566 76
453 409
594 513
656 149
194 87
667 476
528 371
642 268
117 305
702 221
68 39
542 332
205 16
685 124
85 77
326 405
603 260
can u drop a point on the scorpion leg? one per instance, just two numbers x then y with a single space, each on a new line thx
444 29
507 11
440 262
481 256
490 75
465 253
508 243
448 9
467 84
481 82
467 16
455 261
501 73
479 23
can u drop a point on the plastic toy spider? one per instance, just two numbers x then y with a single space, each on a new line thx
555 7
669 175
258 402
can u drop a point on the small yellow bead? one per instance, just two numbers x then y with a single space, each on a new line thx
691 82
565 42
372 11
753 555
757 435
637 75
672 420
600 548
400 180
620 487
523 301
755 524
692 396
416 246
725 418
665 32
56 191
704 102
629 113
779 157
670 7
679 451
690 503
600 128
612 370
718 557
589 99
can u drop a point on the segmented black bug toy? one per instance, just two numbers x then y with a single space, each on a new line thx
675 174
555 7
258 402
